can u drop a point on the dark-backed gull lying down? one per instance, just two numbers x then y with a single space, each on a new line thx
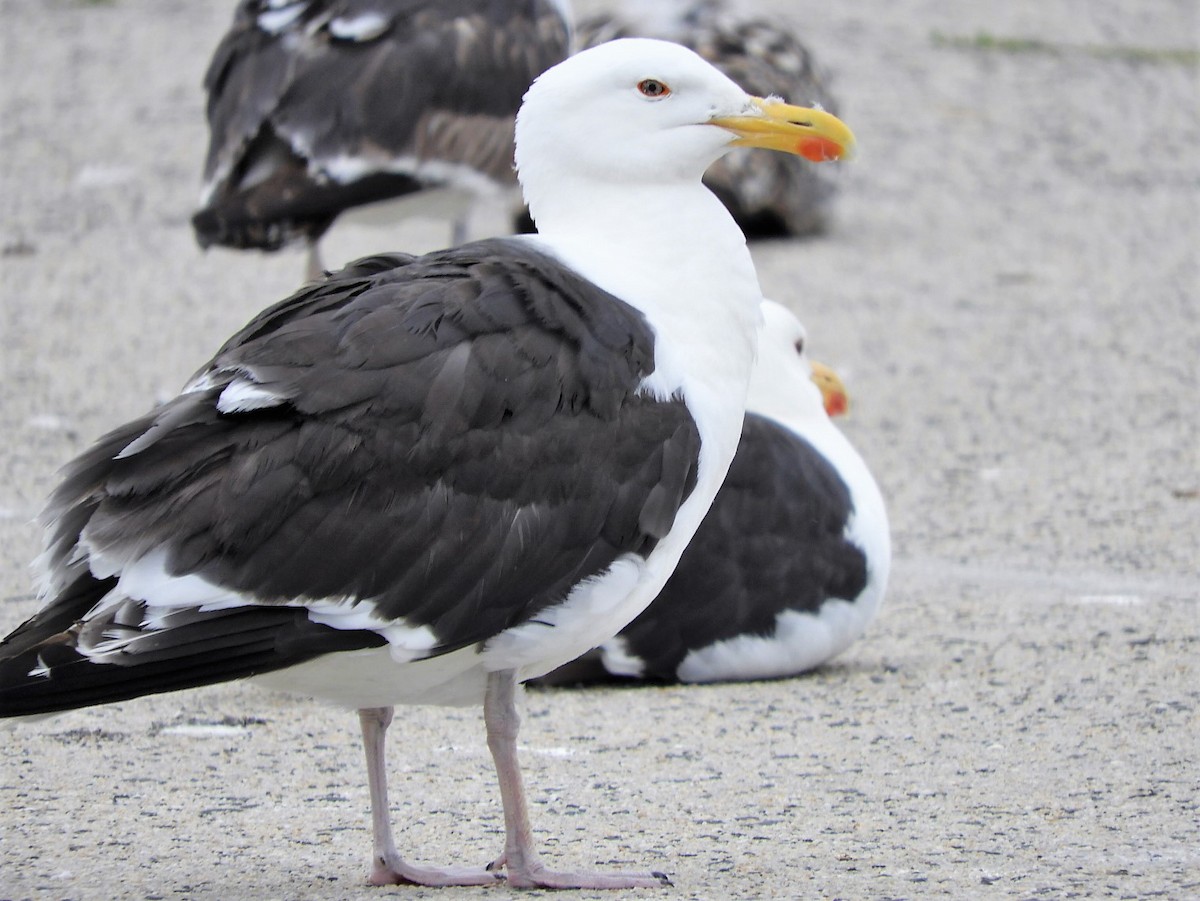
316 106
769 196
425 480
791 561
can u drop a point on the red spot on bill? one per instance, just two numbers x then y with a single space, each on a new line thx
819 150
837 404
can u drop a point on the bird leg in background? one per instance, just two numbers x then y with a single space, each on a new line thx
525 868
387 866
314 269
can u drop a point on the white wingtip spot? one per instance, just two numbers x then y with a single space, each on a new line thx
278 20
243 395
365 27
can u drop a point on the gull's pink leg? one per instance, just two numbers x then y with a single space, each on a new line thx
525 868
388 867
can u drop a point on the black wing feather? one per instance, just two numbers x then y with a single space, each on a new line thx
41 671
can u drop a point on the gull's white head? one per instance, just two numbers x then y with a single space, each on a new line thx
786 385
645 112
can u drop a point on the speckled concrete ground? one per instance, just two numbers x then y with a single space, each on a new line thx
1012 292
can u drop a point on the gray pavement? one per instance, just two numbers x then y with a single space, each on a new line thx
1013 293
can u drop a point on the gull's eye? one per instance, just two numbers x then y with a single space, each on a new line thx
800 346
653 88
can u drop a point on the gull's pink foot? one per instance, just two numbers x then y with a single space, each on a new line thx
540 877
535 875
394 870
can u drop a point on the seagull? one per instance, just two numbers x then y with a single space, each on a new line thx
791 562
769 196
427 479
317 106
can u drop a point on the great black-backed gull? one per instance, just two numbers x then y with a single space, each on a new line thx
792 559
427 479
769 196
316 106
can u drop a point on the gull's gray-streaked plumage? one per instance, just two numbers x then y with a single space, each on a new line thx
426 479
316 106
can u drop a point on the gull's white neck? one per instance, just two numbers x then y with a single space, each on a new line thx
672 251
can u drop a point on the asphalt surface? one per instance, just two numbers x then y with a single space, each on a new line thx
1012 291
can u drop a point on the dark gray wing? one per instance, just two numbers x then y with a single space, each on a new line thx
316 106
451 441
